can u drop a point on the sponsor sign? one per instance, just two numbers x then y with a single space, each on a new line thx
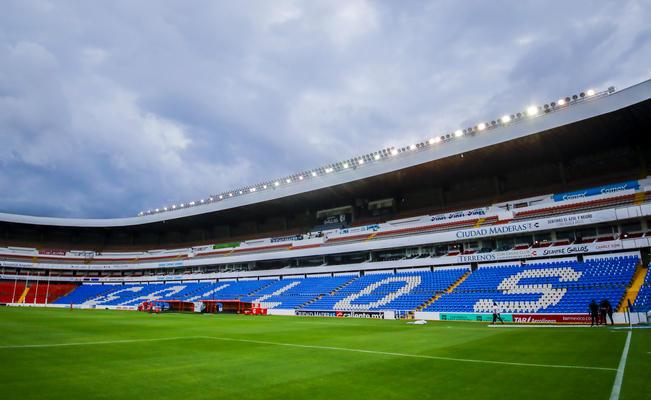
358 229
473 317
552 318
286 238
478 212
617 187
225 245
52 252
341 314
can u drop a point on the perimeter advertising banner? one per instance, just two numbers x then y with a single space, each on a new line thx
341 314
552 318
473 317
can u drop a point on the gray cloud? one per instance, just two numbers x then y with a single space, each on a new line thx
107 108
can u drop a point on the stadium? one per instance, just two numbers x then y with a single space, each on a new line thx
377 275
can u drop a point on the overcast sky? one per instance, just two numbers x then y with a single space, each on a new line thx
111 107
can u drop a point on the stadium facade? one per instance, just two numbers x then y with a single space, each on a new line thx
539 211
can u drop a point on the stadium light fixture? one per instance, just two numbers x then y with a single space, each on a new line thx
182 204
313 173
345 165
458 133
481 126
328 170
288 180
173 206
300 178
561 102
394 152
264 186
532 110
276 183
230 195
157 210
252 190
505 119
360 161
376 157
240 192
590 92
412 147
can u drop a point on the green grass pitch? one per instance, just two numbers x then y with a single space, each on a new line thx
64 354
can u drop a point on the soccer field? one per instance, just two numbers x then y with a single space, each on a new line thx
92 354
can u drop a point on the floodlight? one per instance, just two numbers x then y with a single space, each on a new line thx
394 152
252 190
412 147
300 178
288 180
376 157
313 173
561 102
532 110
505 119
458 133
481 126
590 92
276 183
360 161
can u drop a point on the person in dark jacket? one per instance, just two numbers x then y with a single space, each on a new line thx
609 312
594 312
603 310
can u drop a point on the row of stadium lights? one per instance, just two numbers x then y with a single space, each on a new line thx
532 111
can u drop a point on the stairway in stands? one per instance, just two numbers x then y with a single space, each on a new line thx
634 288
448 290
22 297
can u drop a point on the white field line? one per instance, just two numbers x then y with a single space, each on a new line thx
307 346
617 385
468 360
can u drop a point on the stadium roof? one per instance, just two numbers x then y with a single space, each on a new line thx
479 137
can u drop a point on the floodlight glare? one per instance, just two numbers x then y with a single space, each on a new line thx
173 206
313 173
412 147
458 133
345 165
288 180
360 161
252 190
276 183
376 157
300 178
230 195
394 152
264 186
561 102
481 126
590 92
328 170
221 197
505 119
531 111
157 210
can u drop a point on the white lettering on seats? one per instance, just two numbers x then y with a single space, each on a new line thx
155 295
111 296
410 283
550 295
272 304
205 296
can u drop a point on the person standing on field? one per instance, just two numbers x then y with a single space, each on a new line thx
594 312
496 313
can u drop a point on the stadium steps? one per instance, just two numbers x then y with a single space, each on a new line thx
343 286
22 297
639 198
634 288
253 293
448 290
307 303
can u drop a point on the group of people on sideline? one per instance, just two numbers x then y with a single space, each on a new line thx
599 312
